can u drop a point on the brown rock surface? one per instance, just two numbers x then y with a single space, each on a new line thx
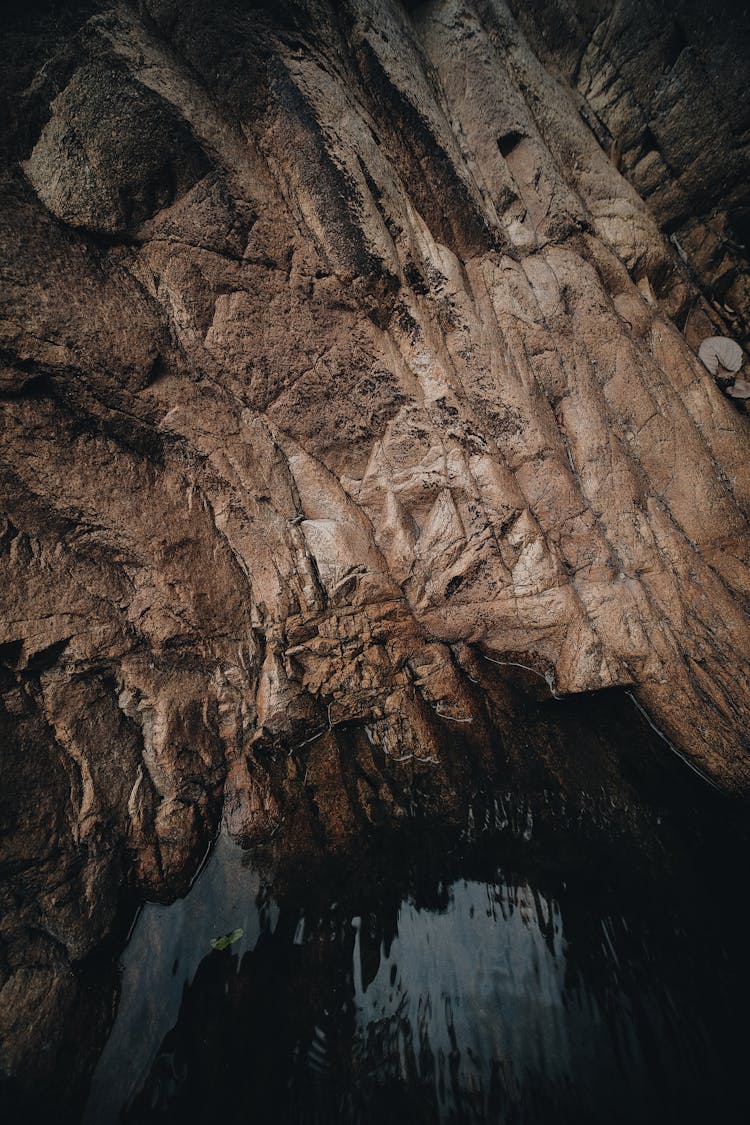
663 85
340 361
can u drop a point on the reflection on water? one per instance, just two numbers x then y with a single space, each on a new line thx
522 977
471 996
167 945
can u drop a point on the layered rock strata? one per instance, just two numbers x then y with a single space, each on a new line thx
342 373
663 86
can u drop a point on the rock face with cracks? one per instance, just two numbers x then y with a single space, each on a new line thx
347 364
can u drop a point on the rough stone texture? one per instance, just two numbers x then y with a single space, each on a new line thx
340 361
663 85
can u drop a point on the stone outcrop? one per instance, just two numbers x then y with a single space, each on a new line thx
663 87
348 366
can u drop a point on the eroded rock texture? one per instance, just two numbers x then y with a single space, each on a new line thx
343 371
663 85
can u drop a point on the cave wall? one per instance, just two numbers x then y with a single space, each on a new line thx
663 85
347 362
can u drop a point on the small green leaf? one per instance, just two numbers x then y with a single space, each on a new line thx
226 940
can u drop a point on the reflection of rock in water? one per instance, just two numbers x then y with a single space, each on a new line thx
167 946
582 980
567 749
483 1009
471 1001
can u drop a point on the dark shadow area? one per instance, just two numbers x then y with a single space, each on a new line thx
564 954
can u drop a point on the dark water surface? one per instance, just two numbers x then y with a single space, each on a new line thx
542 964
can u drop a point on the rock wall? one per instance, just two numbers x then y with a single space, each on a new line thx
343 372
662 84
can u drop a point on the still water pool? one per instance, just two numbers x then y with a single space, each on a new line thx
535 966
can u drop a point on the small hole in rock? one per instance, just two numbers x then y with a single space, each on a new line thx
509 141
453 585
